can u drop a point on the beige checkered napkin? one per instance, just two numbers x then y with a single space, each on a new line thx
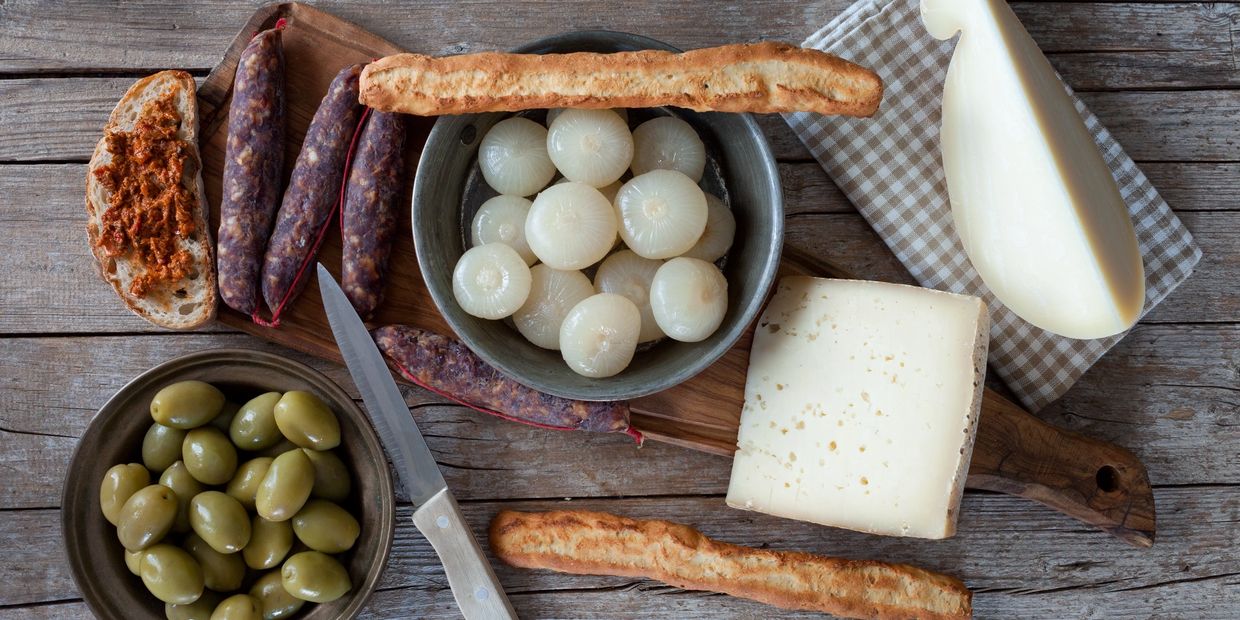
889 167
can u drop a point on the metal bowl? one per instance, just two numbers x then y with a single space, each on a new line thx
741 169
115 436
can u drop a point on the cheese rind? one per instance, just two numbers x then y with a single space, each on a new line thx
1033 201
861 404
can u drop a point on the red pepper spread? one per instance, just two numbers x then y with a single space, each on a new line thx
150 211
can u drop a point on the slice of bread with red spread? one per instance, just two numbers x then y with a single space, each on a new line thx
146 206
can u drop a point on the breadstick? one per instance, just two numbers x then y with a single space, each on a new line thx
605 544
754 77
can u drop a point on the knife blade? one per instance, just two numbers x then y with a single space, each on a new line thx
474 586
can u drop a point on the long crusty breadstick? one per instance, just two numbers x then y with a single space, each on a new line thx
756 77
605 544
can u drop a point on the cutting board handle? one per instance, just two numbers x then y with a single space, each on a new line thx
1093 481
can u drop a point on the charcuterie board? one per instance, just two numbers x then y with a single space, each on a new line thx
1015 453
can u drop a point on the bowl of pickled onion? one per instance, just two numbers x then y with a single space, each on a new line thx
598 254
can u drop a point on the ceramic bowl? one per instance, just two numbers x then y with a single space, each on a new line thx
115 436
741 169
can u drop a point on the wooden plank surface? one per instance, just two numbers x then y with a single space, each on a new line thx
59 119
1160 75
1095 45
1072 559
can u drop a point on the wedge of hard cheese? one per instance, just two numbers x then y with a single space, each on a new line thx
860 406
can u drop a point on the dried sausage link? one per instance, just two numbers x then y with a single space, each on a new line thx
252 164
313 189
447 366
368 221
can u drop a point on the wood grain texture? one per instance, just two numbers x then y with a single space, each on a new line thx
1177 381
1073 567
60 119
1095 45
1168 390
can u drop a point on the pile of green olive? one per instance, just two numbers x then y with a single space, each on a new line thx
246 496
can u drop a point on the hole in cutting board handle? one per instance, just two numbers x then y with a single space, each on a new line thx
1107 479
468 134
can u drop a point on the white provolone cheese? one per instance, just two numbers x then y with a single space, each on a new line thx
1033 201
860 406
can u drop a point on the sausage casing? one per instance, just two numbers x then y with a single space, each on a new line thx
368 221
312 190
252 164
447 366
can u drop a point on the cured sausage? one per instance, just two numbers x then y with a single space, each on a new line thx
446 366
253 160
368 220
312 191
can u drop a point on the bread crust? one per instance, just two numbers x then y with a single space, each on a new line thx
752 77
147 307
604 544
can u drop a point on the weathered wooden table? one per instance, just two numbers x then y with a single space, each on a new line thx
1162 76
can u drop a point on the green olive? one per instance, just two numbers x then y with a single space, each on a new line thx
198 610
119 484
278 449
172 574
224 420
331 476
286 487
221 572
238 607
220 520
133 561
210 457
326 527
307 421
161 447
244 484
270 542
276 601
315 577
187 404
146 517
254 426
178 478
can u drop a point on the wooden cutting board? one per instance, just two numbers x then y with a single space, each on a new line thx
1016 453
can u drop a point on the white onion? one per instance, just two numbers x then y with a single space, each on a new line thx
502 220
627 274
552 294
513 157
599 335
719 233
570 226
689 298
491 281
593 147
668 143
662 213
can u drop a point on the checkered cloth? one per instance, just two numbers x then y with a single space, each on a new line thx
889 166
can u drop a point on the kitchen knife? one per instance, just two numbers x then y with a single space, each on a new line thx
478 593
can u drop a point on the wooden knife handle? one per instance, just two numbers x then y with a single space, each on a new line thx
1093 481
474 586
